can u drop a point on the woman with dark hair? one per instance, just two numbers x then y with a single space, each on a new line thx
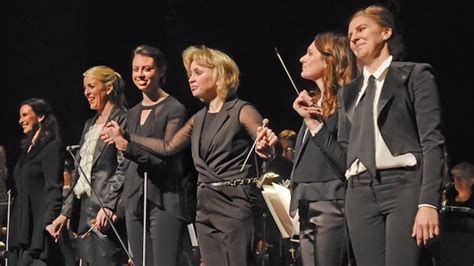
158 115
220 136
38 182
103 89
319 164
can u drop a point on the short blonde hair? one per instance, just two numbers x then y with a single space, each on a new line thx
287 134
225 70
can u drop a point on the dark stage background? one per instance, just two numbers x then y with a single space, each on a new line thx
47 45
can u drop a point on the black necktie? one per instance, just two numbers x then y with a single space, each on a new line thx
362 139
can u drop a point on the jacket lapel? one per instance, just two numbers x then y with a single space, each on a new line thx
196 143
350 96
100 146
34 150
300 144
219 121
395 80
222 116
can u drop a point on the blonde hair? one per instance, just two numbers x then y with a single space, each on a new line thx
225 70
287 134
340 67
108 76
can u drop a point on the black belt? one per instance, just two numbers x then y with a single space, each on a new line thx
230 183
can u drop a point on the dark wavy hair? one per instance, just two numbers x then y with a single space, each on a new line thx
341 67
49 125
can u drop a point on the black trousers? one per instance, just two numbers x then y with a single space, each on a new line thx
224 225
164 236
322 233
380 214
33 257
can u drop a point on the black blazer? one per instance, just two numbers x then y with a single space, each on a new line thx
169 178
320 157
38 195
106 175
409 119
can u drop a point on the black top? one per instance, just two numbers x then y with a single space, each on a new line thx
206 142
169 178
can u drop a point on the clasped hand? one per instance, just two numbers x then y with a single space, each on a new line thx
306 108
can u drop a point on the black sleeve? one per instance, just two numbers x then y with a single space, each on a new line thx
52 166
332 149
179 141
428 120
116 181
149 152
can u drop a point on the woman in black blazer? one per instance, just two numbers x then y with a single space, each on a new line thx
220 135
392 124
38 182
103 89
319 163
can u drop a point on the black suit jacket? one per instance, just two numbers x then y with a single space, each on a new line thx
38 195
409 119
106 177
320 157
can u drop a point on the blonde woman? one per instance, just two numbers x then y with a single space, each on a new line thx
103 89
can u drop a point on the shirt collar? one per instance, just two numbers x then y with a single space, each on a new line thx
380 71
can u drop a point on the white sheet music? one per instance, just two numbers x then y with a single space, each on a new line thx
277 198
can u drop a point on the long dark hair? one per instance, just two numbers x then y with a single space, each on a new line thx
49 125
341 67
